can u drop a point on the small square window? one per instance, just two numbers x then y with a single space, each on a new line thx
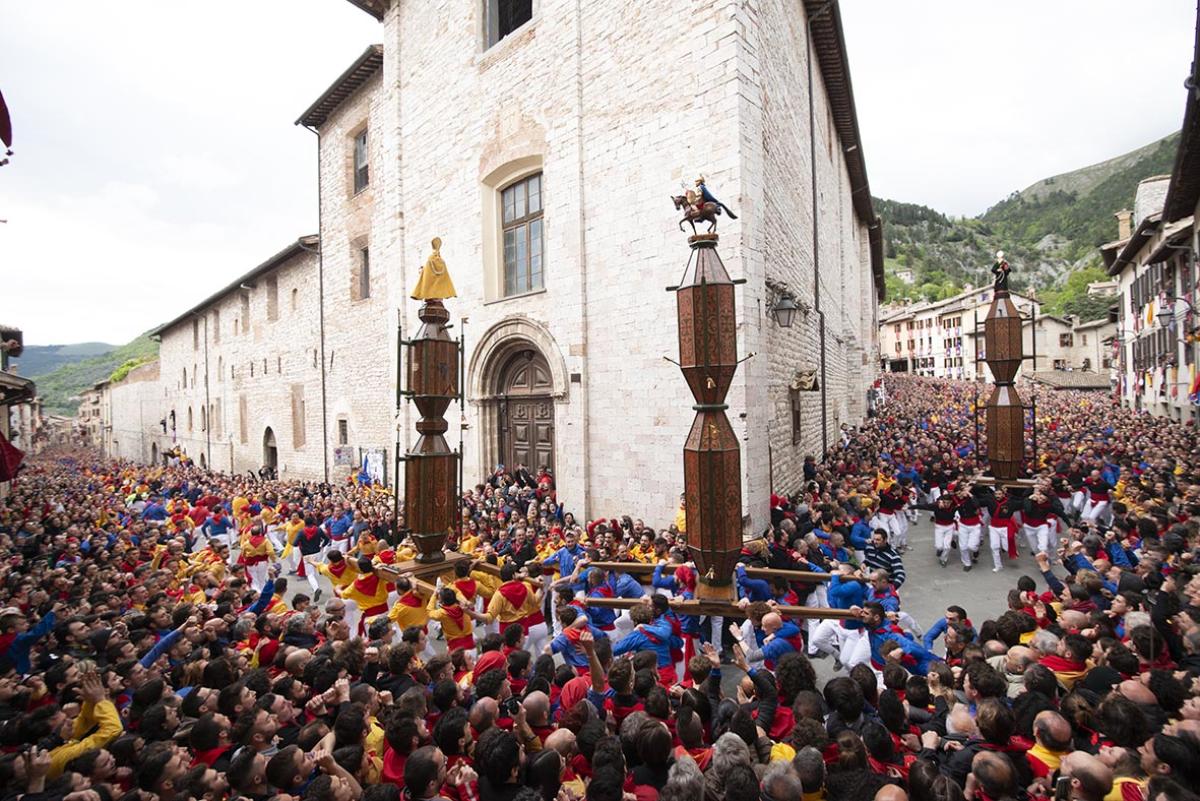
505 16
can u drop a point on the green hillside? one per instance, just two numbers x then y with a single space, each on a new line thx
60 387
1048 231
42 359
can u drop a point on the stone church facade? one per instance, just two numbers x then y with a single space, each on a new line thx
540 141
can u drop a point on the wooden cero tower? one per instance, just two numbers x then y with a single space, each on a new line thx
712 463
430 467
1004 349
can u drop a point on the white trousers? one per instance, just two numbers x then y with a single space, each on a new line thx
1038 538
891 523
1077 500
943 536
969 538
258 575
1094 511
353 615
536 639
998 539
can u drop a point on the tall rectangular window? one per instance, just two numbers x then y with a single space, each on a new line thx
298 415
360 276
245 312
343 432
195 334
272 299
365 272
216 325
794 399
1065 340
505 16
243 423
362 167
522 227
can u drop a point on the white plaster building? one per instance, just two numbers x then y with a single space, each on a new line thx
540 140
541 148
238 382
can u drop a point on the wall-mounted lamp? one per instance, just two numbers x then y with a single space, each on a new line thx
783 311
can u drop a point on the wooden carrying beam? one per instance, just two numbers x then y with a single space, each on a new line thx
700 607
643 569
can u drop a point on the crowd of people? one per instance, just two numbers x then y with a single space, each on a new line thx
172 634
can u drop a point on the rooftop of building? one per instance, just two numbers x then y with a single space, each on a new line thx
954 303
1103 321
1184 192
1072 379
308 243
349 82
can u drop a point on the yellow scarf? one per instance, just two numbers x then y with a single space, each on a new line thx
1051 759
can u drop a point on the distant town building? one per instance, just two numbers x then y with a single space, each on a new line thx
936 338
1102 289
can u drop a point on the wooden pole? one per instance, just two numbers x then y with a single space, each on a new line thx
726 609
641 568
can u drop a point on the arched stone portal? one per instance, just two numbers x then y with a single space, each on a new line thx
270 450
526 409
516 378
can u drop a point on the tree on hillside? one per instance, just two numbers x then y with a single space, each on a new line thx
1072 294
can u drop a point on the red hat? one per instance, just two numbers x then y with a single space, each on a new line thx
686 576
490 660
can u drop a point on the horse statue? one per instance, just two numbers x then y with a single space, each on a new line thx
700 205
695 210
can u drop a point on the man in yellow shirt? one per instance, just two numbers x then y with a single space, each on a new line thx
96 712
410 609
451 611
516 601
340 571
369 591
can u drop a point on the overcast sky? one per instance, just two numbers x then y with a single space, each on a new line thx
961 102
156 158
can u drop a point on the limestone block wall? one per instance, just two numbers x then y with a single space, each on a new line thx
777 127
360 328
136 410
258 364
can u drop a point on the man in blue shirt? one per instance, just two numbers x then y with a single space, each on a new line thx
649 634
775 638
916 658
566 557
954 614
833 636
623 585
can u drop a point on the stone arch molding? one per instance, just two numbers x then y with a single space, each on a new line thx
504 338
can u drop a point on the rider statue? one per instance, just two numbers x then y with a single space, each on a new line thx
1000 270
702 195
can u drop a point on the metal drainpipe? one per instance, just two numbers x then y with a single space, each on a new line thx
321 312
583 294
207 403
816 238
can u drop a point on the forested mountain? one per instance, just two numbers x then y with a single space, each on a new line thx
1048 231
63 371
